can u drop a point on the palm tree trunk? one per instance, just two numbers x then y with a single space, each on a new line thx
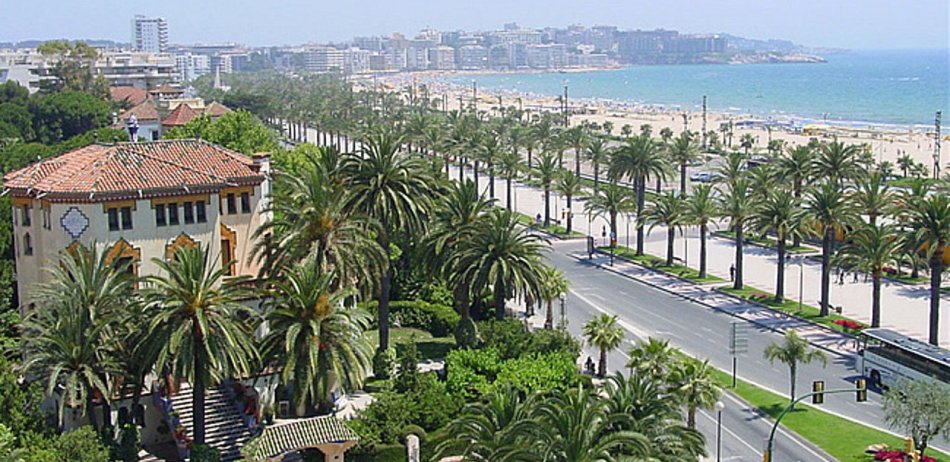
797 238
547 206
876 299
780 282
569 217
936 271
529 157
447 174
508 192
491 180
198 397
91 410
737 284
602 363
792 371
826 270
670 235
683 179
596 178
475 173
641 192
549 316
461 169
691 418
383 308
498 295
577 161
702 251
658 184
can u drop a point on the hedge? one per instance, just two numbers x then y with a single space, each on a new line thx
438 320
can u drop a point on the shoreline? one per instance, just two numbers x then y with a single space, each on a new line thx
886 141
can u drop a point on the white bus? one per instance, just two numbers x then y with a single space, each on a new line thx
885 357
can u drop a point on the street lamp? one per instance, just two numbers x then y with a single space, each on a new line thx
801 281
563 322
719 406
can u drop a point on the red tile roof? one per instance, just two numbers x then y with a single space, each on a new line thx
144 111
216 109
134 96
180 116
134 170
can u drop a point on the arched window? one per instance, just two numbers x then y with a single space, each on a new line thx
123 255
182 241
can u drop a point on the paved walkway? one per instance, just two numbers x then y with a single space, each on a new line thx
905 308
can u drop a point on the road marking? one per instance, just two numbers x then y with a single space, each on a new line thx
727 430
764 418
623 323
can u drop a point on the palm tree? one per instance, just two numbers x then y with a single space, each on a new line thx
553 286
793 351
736 205
746 142
575 427
683 151
392 188
494 428
905 162
827 209
598 153
837 162
605 334
695 386
569 185
504 257
310 220
655 357
577 137
74 319
509 166
871 248
667 210
546 171
796 167
779 214
930 219
198 324
733 167
610 201
490 149
314 339
873 196
638 159
701 209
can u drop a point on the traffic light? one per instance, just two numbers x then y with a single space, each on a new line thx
862 390
818 386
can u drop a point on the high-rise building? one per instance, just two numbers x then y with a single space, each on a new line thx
149 34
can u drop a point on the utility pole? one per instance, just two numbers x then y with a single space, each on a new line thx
704 122
474 96
937 145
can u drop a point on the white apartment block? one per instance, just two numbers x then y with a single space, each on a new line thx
190 66
149 34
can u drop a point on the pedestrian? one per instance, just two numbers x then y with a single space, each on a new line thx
855 279
589 365
732 272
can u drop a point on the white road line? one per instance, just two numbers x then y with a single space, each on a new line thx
726 429
780 430
623 323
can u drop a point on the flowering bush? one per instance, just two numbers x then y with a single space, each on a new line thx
898 456
849 324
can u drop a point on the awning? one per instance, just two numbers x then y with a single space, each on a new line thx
295 435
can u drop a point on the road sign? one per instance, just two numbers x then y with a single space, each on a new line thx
738 338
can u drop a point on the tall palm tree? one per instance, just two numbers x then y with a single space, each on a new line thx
504 257
873 196
930 219
569 185
494 428
510 166
577 137
546 171
695 386
667 210
598 154
654 358
793 351
795 167
575 427
314 339
310 220
701 209
780 214
905 162
392 188
736 204
733 167
747 142
490 149
74 318
605 334
553 286
683 150
871 248
198 324
837 162
610 201
828 209
638 159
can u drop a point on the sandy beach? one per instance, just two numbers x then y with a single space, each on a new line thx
887 143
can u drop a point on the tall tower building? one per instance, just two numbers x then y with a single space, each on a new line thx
149 34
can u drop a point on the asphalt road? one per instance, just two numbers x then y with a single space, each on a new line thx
701 332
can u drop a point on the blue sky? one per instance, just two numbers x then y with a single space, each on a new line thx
856 24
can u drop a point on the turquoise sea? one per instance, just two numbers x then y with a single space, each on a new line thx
894 87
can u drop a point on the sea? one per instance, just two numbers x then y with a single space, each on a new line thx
897 89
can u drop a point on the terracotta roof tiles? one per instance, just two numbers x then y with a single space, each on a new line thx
180 116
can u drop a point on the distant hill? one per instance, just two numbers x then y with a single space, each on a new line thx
98 43
743 44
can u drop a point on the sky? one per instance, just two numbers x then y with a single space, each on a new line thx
853 24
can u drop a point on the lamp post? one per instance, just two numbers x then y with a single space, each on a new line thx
719 406
563 322
801 281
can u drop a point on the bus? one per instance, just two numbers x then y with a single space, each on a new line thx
885 357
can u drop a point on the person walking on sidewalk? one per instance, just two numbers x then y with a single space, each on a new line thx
732 272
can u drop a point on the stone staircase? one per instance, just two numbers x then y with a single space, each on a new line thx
224 426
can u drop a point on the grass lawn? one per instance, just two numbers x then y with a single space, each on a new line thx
769 242
905 278
556 230
908 181
841 438
788 306
659 264
429 347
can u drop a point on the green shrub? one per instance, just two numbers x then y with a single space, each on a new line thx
407 378
414 430
513 340
204 453
539 372
471 372
384 363
438 320
553 341
466 334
